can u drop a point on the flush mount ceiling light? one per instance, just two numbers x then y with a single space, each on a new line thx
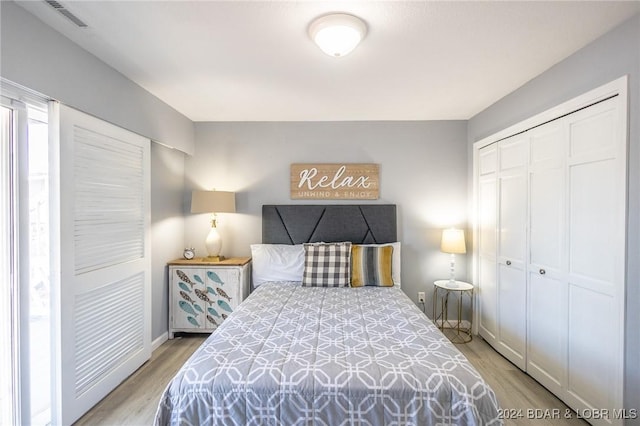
337 34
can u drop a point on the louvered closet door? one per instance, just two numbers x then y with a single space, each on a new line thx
104 309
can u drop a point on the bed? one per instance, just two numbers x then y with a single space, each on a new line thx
294 354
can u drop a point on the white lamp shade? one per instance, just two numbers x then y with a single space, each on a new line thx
453 241
337 34
213 202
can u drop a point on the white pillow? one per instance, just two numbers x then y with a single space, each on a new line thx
395 260
276 262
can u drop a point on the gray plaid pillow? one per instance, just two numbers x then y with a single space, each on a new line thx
327 265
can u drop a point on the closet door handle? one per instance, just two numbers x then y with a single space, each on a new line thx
508 262
542 272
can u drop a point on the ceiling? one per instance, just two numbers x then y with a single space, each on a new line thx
253 60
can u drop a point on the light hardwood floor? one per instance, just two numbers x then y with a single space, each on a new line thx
134 401
516 392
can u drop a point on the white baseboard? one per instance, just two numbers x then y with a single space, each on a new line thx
159 341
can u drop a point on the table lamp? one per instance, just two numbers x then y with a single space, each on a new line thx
453 243
213 202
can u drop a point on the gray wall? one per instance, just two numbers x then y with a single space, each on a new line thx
35 56
167 228
423 169
40 58
615 54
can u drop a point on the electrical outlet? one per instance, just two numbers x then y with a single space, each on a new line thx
421 297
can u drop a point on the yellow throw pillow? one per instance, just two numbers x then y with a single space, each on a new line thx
371 266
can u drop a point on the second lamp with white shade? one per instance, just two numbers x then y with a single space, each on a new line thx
213 202
453 243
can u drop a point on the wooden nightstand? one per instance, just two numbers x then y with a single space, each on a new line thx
203 293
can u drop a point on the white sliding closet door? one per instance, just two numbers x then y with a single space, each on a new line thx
561 199
547 298
512 219
597 176
104 259
487 243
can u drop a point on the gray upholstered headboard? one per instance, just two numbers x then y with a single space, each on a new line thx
305 223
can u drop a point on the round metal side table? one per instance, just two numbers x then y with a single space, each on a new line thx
457 290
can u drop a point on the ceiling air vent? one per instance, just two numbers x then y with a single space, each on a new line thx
66 13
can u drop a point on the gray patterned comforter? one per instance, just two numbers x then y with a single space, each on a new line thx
292 355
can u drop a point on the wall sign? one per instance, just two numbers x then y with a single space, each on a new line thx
335 181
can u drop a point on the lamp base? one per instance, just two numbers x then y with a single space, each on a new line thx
213 242
215 258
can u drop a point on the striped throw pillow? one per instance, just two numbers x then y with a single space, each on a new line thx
371 266
327 265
